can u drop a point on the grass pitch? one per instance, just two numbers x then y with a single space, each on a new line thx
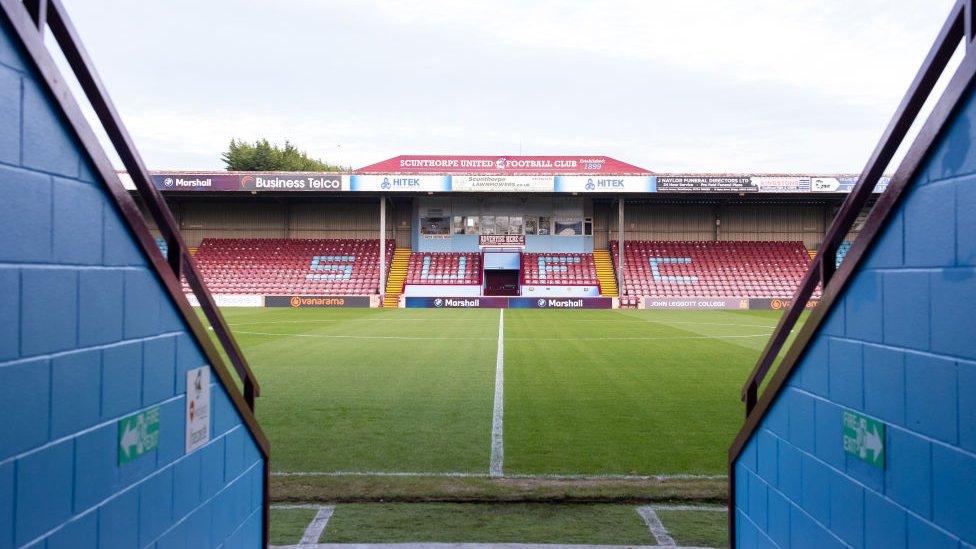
620 392
587 523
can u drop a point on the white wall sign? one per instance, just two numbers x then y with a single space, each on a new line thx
230 300
197 408
502 183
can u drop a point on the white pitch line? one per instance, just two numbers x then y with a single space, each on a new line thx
315 528
663 338
497 461
660 533
408 338
458 474
707 508
328 336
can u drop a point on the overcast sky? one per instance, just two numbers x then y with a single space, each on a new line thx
705 86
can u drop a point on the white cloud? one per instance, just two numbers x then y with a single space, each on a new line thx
760 85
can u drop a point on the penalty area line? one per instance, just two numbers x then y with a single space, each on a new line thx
496 463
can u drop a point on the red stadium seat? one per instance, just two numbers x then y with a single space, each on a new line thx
291 266
712 269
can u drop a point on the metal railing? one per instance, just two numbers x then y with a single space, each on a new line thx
958 27
51 14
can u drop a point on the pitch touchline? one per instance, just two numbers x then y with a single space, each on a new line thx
497 460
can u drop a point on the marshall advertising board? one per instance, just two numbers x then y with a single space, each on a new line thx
248 182
456 302
560 303
509 302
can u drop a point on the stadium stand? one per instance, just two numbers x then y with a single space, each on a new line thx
558 269
712 268
161 244
444 268
842 250
291 266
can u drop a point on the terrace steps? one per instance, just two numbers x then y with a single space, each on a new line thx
605 273
396 278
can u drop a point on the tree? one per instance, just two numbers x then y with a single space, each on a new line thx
265 157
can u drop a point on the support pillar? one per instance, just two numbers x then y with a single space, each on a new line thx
620 246
382 287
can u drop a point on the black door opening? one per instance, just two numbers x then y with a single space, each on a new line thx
502 282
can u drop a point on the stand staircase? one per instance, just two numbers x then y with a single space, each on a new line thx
605 273
398 273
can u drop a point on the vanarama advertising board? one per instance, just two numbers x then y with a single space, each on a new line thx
304 301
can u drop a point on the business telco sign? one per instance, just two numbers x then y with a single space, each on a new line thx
248 182
400 183
605 184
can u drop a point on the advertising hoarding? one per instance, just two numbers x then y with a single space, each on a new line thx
305 301
560 303
694 303
456 302
248 182
400 183
705 183
843 184
605 184
502 183
509 302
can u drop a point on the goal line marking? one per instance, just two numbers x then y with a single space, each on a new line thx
496 463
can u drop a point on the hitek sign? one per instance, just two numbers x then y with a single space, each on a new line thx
138 434
864 438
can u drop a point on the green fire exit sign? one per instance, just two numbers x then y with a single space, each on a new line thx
138 434
864 438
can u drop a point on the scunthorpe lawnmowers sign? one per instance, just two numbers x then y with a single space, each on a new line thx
864 438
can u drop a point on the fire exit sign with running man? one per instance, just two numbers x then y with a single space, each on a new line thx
864 438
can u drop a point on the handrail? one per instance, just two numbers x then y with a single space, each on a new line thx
958 26
52 13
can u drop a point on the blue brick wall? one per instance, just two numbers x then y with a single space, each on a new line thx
899 346
87 336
